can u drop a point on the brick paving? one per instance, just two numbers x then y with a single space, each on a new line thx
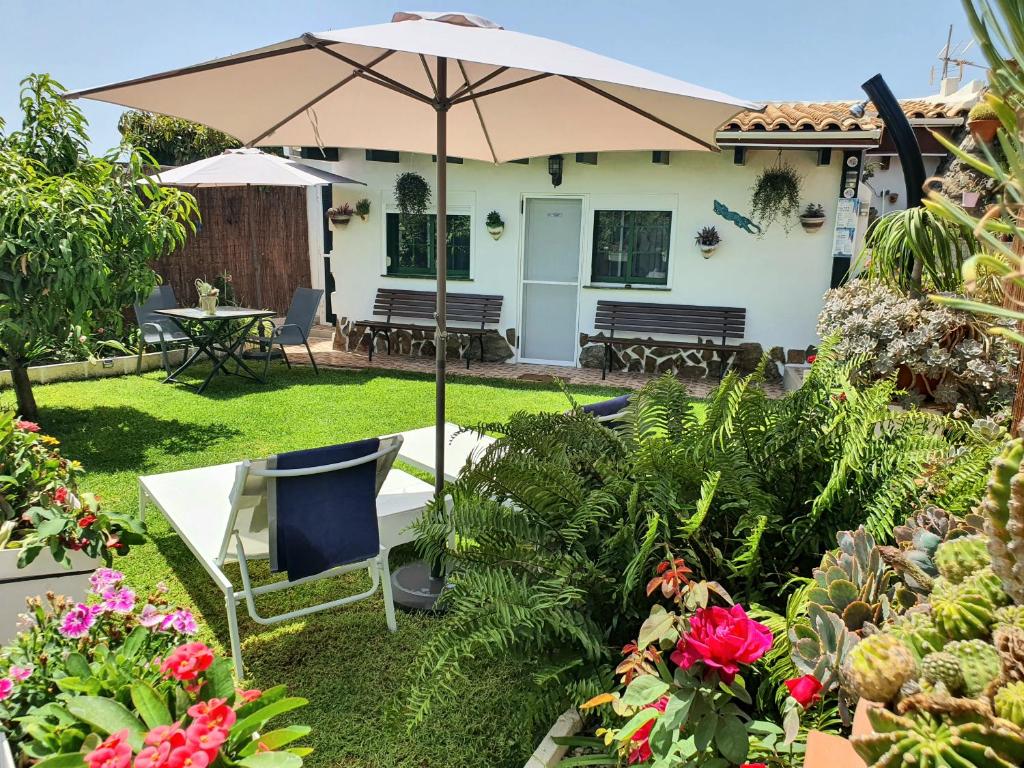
328 357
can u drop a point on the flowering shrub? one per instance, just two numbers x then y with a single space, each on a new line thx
696 714
40 506
107 684
947 350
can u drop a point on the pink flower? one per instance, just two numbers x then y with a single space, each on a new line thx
206 738
60 496
79 620
806 690
153 757
640 748
171 735
722 639
103 579
26 426
181 621
186 757
119 600
20 674
6 687
86 521
186 662
250 695
150 616
214 713
114 752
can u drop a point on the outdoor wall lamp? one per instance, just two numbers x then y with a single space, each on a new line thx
555 169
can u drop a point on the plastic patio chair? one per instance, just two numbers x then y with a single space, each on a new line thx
156 330
293 331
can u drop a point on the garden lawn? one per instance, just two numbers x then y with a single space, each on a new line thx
353 671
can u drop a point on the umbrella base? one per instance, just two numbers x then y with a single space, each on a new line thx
415 587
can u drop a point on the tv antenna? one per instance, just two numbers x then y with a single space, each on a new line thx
951 54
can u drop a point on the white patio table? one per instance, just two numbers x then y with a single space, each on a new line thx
418 449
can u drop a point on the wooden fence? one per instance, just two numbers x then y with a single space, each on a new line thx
258 235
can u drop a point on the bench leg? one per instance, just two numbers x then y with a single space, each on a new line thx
607 362
373 340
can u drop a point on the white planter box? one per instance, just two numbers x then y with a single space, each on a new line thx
6 758
94 369
794 375
548 754
41 576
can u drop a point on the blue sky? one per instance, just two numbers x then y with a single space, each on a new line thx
754 49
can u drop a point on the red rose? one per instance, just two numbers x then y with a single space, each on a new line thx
640 749
86 521
187 661
60 496
806 690
722 639
811 359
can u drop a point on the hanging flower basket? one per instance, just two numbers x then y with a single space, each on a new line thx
495 224
341 215
813 217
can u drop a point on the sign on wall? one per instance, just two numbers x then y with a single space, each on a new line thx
847 212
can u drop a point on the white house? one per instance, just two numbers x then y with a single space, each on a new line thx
556 259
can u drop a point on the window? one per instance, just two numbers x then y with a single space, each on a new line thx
319 153
382 155
631 247
412 245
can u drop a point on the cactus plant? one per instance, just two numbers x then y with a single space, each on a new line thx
821 645
924 739
944 668
1009 703
919 633
854 581
1003 507
962 557
979 663
962 611
1010 616
878 666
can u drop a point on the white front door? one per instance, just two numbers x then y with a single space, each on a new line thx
551 276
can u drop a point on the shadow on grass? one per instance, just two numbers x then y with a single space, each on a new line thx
117 438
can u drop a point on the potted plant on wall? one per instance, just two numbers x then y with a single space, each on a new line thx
983 122
363 208
340 215
708 239
776 195
412 193
813 217
495 224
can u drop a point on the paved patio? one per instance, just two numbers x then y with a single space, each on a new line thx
321 342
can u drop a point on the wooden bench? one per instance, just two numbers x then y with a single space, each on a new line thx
670 319
470 314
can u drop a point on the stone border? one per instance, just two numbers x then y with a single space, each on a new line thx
93 369
548 754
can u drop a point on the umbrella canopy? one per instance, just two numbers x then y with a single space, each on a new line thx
440 83
510 95
248 167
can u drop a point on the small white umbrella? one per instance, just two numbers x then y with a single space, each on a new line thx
248 167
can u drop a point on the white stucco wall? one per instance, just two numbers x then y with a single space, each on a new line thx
891 180
778 278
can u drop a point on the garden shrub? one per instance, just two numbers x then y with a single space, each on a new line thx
556 524
952 357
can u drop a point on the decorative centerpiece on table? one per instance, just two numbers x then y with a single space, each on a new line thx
208 296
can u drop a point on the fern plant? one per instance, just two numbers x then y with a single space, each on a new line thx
553 531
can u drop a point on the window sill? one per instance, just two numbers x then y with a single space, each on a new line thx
627 287
429 277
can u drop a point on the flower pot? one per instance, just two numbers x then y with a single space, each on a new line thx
40 576
969 199
495 232
341 219
811 223
208 304
984 130
707 250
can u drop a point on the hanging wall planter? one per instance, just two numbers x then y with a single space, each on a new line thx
363 209
813 217
707 240
776 195
495 224
340 215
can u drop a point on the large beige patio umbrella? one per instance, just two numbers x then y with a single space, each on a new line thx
435 83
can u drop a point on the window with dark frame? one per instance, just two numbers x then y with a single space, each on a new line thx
631 247
382 155
319 153
412 245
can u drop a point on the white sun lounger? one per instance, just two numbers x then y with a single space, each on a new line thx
418 449
211 506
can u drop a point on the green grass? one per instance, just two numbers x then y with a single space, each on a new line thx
353 671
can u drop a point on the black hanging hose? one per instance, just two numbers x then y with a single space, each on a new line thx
898 126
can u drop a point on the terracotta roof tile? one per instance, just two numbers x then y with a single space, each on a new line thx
832 116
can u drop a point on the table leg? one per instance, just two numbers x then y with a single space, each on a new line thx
203 346
223 334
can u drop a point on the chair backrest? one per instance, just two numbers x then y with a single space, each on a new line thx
329 494
608 410
475 308
162 297
673 319
302 310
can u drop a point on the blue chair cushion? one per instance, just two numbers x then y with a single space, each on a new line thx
328 519
607 407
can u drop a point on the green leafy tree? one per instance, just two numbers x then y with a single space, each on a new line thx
172 140
77 232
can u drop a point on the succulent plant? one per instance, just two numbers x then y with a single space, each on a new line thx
944 668
1009 703
962 611
1003 507
1010 616
925 739
1009 644
854 581
959 558
878 666
821 645
919 633
979 662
